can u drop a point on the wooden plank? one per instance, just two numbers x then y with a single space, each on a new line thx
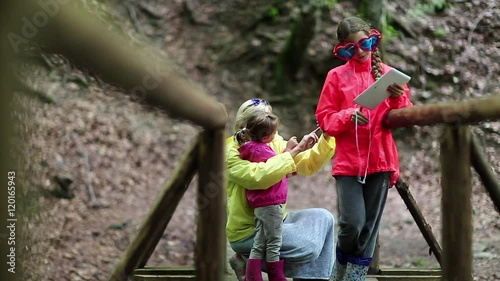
456 204
141 277
405 278
172 270
410 271
158 218
463 112
486 173
211 236
426 230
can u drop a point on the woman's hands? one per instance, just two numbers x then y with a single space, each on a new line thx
395 90
305 143
292 142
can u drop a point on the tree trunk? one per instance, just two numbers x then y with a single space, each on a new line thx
291 57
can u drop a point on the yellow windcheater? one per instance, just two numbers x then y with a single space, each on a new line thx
242 175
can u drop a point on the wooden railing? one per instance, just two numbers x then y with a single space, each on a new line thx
459 151
80 37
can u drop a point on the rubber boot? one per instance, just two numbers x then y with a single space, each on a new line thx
276 271
254 270
238 264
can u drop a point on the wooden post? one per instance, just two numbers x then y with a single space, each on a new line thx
456 205
485 171
463 112
426 230
156 221
211 239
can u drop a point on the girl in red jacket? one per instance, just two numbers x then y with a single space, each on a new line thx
366 162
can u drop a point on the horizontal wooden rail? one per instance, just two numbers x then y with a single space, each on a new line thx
463 112
81 37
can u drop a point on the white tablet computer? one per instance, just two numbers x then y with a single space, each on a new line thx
377 92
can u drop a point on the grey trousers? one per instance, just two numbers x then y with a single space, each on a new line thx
308 244
268 231
361 207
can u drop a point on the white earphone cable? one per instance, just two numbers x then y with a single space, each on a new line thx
362 181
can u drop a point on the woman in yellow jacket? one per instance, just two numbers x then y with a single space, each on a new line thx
308 235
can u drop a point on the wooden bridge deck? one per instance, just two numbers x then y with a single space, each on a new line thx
187 273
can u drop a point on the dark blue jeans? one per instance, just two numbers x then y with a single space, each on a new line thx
361 207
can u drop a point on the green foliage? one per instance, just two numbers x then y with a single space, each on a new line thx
328 3
440 32
31 205
272 12
419 263
389 32
430 7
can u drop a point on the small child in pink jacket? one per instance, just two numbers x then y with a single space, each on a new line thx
268 212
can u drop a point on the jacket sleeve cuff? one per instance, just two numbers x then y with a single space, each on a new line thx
326 144
286 157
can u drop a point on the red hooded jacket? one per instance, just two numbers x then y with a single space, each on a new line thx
375 150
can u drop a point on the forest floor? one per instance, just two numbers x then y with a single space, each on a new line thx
124 152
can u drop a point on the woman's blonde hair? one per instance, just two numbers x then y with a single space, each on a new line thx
248 109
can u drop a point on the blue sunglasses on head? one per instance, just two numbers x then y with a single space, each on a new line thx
347 51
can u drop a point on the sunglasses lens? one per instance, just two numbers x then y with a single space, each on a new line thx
346 52
370 43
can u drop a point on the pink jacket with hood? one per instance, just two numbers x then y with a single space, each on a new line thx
277 193
366 149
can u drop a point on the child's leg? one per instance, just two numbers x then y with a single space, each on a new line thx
375 195
352 213
272 217
254 262
259 241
